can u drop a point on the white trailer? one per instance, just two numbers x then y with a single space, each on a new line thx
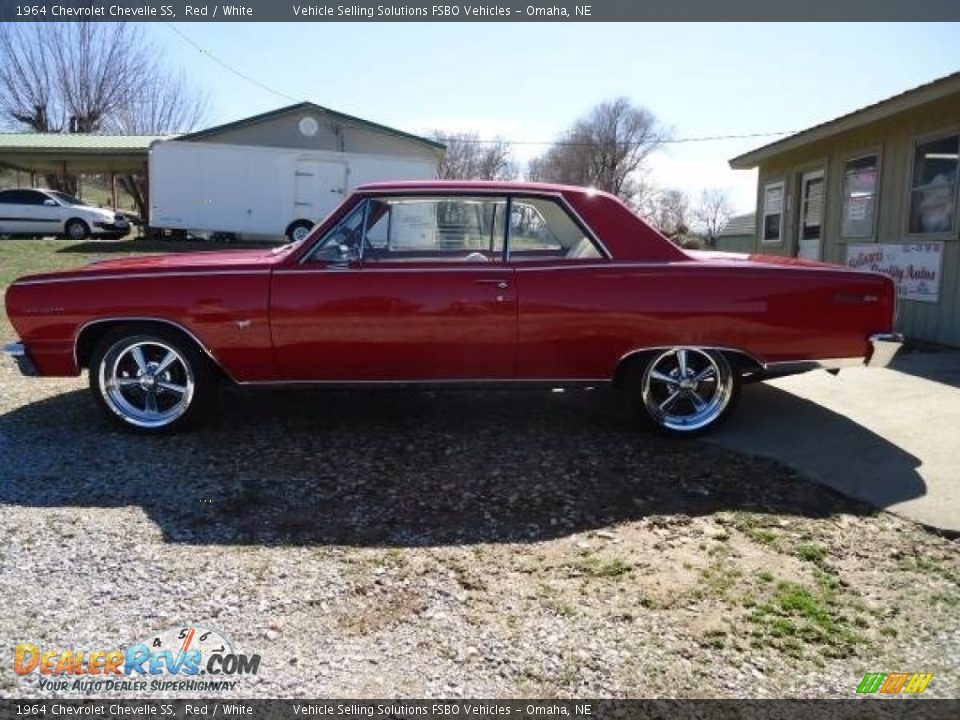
254 191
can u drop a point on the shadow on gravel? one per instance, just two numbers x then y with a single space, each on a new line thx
393 468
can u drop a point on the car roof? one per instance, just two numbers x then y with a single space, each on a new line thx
506 186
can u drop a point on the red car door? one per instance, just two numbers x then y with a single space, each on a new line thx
424 308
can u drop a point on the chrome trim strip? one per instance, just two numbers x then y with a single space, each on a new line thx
398 267
134 276
171 323
884 347
443 381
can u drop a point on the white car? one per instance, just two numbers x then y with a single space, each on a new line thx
26 211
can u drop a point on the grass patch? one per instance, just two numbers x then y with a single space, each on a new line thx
793 618
596 567
930 566
811 553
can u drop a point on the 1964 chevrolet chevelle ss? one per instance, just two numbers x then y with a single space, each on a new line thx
447 283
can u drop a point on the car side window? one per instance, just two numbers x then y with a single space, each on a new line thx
342 243
32 197
6 197
435 229
541 229
18 197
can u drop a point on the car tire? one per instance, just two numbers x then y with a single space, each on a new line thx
298 230
152 380
682 392
76 229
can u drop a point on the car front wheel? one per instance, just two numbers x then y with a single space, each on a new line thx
683 391
151 380
77 229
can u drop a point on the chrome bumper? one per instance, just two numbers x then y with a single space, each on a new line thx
884 347
18 352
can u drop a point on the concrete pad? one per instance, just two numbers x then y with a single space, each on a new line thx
888 437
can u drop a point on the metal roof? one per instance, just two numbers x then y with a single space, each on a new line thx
907 100
312 107
88 143
75 153
745 224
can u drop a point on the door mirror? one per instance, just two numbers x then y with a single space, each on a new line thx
50 203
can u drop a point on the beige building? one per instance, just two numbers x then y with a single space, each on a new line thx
878 189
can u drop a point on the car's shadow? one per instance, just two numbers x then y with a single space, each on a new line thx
392 468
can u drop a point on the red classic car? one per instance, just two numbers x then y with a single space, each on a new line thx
443 283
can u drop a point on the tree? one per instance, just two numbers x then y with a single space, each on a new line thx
607 149
668 210
469 158
89 77
713 212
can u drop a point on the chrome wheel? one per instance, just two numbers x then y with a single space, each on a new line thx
686 389
146 382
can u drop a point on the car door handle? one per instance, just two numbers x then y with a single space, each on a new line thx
502 284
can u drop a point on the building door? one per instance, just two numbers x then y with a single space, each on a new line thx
318 188
810 226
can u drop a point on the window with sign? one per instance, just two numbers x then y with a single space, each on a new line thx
435 229
772 227
860 182
933 195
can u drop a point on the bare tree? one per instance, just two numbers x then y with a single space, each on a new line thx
669 212
69 77
713 212
469 158
89 77
607 149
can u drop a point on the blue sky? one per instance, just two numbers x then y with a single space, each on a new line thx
528 81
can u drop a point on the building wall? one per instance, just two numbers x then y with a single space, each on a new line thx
894 140
737 243
332 134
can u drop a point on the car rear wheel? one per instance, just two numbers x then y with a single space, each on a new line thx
151 380
683 391
77 229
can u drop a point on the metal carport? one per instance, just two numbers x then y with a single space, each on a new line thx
66 154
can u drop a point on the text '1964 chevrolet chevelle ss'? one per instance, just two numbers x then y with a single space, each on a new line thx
452 283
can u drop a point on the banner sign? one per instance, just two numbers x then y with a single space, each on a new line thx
916 267
497 11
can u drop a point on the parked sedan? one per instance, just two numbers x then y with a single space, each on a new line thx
452 283
27 211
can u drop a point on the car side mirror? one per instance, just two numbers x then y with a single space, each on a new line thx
50 203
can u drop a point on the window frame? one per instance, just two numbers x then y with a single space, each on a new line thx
501 256
915 142
876 152
574 217
762 225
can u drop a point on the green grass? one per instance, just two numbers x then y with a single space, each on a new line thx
24 257
811 553
793 617
594 566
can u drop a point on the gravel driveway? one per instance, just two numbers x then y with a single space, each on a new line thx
460 544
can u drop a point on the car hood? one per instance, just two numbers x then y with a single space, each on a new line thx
220 260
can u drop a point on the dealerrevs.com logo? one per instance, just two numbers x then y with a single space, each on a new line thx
185 658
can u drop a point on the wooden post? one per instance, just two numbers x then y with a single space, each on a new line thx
113 190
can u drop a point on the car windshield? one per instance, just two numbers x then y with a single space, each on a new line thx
66 199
